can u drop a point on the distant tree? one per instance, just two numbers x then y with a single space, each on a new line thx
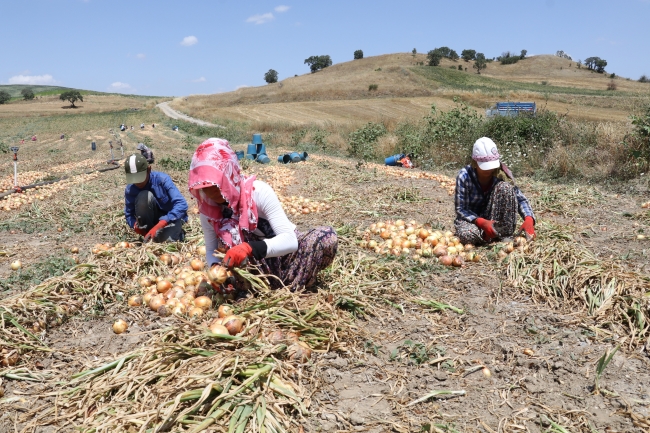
596 64
4 96
644 79
523 54
72 96
414 52
460 67
358 54
316 63
468 55
562 54
434 57
27 93
453 55
579 63
480 63
271 76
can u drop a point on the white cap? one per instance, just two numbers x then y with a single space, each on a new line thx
485 153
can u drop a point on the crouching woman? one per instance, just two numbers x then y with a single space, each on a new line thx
243 217
487 200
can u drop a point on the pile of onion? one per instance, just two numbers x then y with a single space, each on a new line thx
646 205
299 205
447 183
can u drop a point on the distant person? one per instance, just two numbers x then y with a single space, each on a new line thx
62 136
153 125
487 200
146 152
154 207
142 126
131 127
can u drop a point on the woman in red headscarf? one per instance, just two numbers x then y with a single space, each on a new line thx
243 217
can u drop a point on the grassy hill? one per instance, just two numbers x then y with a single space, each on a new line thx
406 90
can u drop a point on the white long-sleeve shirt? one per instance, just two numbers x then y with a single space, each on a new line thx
268 208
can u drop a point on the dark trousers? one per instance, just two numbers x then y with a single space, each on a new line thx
148 213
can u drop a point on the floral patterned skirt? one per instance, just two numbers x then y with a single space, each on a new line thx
501 208
316 250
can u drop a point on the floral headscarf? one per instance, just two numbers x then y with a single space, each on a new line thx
214 163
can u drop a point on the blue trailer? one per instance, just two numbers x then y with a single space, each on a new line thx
511 109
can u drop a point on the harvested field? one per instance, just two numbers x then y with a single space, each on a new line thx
398 344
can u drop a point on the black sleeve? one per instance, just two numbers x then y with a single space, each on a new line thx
259 249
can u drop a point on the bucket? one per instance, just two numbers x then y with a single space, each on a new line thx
261 148
295 157
394 160
284 159
93 146
240 154
251 156
257 138
263 158
251 149
303 156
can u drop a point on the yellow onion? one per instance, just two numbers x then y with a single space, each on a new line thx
299 352
166 259
163 286
119 326
74 250
446 260
156 302
520 241
178 310
468 247
409 231
146 298
145 281
528 352
423 234
372 244
439 251
218 274
486 372
10 359
233 324
15 265
385 234
457 261
509 248
196 264
190 280
203 302
399 223
174 292
135 301
276 337
196 312
218 329
201 250
451 251
175 259
165 310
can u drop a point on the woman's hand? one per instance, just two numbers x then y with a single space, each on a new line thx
237 254
529 228
488 228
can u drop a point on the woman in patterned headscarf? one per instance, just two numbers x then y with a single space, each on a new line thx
243 217
487 200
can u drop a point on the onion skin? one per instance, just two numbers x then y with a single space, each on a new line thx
276 337
446 260
457 261
135 301
299 352
163 286
156 302
218 329
146 298
218 274
196 264
225 311
166 259
119 326
201 250
203 302
164 311
196 312
15 265
234 324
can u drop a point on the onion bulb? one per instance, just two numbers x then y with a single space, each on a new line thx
166 259
196 312
446 260
225 311
145 281
196 264
457 261
372 244
135 301
165 310
15 265
74 250
201 250
179 310
276 337
174 293
163 286
299 352
528 352
146 298
10 359
218 329
233 324
203 302
440 251
156 302
486 372
509 248
423 234
120 326
218 274
385 234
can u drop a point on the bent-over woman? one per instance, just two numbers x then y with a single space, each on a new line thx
487 199
243 217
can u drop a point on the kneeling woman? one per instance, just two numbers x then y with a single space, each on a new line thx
243 217
487 200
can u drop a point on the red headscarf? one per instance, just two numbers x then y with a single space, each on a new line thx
214 163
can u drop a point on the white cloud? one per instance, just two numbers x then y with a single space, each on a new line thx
281 8
140 55
199 80
261 19
188 41
120 87
32 79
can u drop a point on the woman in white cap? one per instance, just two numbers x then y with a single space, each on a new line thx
487 199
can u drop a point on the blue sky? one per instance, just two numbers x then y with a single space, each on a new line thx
176 48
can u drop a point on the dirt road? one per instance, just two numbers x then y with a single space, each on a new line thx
169 111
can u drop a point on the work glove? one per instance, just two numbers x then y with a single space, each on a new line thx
152 233
488 228
138 230
237 254
529 228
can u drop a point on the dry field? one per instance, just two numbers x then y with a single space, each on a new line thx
341 92
399 344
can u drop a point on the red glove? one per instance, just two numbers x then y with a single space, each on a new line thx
152 233
488 228
529 227
237 254
138 230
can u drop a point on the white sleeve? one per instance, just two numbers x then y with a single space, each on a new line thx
269 208
211 243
